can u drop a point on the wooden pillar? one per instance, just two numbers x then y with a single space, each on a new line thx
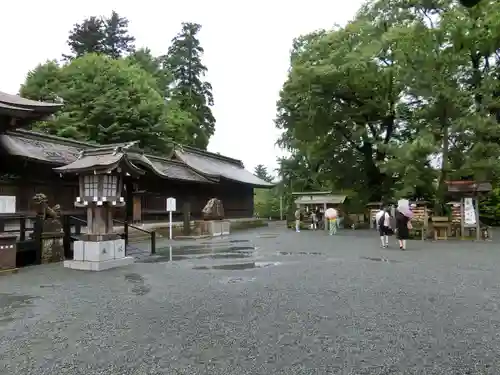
90 219
129 200
462 218
109 217
425 227
137 208
186 227
478 225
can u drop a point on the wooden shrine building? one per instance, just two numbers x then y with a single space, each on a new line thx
192 176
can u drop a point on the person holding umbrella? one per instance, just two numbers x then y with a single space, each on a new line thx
403 222
331 215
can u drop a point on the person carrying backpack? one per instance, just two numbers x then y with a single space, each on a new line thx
384 227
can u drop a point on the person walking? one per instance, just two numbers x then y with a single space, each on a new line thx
331 215
332 226
314 220
298 215
403 226
403 222
383 218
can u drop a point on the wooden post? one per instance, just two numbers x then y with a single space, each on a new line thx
478 225
22 228
129 200
462 218
67 237
37 237
425 223
186 227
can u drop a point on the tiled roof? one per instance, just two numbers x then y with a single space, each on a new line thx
218 166
169 168
103 159
18 107
37 148
190 164
19 102
62 151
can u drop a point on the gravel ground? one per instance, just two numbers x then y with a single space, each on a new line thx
323 305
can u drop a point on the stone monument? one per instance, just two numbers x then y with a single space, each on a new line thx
213 219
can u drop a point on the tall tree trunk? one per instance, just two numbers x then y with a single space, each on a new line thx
441 194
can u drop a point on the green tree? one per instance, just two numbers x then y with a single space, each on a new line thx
87 37
337 109
193 94
261 172
108 36
106 101
154 66
117 41
44 82
375 105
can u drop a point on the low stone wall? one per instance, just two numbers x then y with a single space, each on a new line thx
162 229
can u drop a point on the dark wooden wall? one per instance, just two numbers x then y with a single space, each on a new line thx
237 199
24 179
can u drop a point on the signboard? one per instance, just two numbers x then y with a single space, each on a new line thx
7 204
469 213
171 204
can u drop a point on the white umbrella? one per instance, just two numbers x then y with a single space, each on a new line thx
331 213
404 208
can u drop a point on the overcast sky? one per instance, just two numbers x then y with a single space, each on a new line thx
246 52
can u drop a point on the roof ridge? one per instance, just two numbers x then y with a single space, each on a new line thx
209 154
24 132
73 142
180 163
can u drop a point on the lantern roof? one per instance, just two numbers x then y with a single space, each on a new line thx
106 159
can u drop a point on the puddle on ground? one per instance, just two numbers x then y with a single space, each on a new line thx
384 260
166 258
270 235
212 251
219 242
139 287
298 253
236 280
237 266
10 304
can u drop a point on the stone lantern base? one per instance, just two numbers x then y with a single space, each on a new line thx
98 255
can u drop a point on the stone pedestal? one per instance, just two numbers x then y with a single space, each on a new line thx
52 241
98 255
52 248
8 251
216 228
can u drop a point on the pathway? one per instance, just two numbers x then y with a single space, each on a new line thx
266 301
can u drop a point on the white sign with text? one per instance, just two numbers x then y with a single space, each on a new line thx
171 204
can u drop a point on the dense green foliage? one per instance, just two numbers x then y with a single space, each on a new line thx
401 99
101 35
114 93
267 203
99 107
